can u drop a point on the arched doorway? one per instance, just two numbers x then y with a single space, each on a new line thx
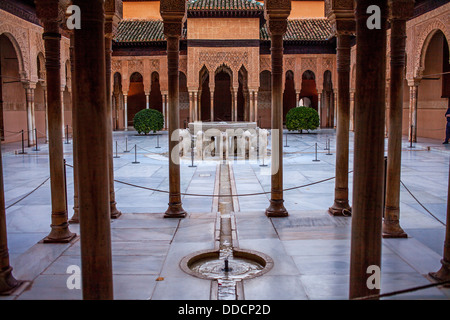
289 96
327 109
243 99
155 98
222 94
13 113
205 96
183 98
136 97
265 100
434 88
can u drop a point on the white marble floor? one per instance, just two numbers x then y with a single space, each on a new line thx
311 249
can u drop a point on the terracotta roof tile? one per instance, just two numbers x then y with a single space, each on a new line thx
218 5
317 29
140 31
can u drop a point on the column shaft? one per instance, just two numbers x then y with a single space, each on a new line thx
125 112
391 223
175 209
115 213
369 148
276 208
92 128
59 226
30 115
341 206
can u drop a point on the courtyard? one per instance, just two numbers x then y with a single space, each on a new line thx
310 248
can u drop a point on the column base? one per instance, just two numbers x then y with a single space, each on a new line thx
443 274
76 217
175 210
340 208
392 229
60 234
115 213
8 284
276 209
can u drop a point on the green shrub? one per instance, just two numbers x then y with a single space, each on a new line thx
302 118
148 120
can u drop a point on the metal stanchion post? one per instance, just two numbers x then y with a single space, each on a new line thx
135 155
117 155
36 138
23 144
157 141
316 160
286 145
329 148
126 145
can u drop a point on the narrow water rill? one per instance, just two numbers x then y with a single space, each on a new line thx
227 265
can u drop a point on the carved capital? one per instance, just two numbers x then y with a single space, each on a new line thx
400 9
277 27
173 29
341 15
276 12
173 10
113 15
49 11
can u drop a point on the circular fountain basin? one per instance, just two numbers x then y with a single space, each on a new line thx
243 264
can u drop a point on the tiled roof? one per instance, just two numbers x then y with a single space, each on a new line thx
303 30
228 5
140 31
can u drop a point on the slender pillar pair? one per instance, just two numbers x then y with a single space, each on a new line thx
369 149
31 122
277 13
125 111
401 10
413 102
211 90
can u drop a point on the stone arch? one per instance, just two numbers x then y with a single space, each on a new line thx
40 67
13 36
424 40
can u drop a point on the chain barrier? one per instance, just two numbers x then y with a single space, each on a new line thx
28 194
393 293
428 211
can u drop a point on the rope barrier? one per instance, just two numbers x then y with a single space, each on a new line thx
28 194
215 195
393 293
421 203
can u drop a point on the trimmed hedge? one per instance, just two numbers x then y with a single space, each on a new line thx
148 120
302 118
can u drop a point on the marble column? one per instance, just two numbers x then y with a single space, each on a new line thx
147 100
413 102
297 100
252 107
235 103
211 90
92 134
29 93
125 111
173 14
319 107
48 12
76 207
191 105
369 148
196 106
256 107
352 110
44 87
401 10
341 205
277 13
7 281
